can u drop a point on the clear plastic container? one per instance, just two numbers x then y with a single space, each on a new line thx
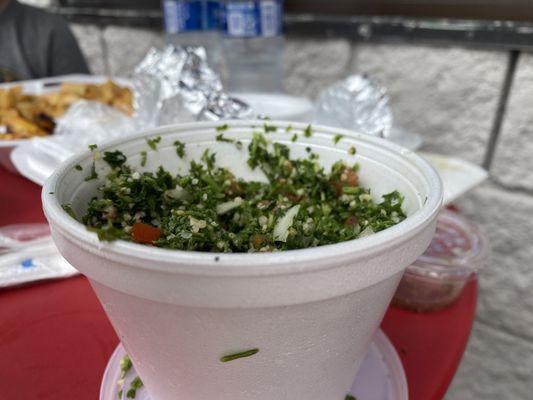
437 278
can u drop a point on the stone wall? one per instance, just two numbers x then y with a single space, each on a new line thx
449 96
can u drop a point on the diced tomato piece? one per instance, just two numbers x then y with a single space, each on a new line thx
144 233
257 240
351 221
349 177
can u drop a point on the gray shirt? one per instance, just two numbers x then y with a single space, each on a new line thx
36 44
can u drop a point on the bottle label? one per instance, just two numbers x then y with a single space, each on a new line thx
212 15
190 16
252 18
170 15
271 18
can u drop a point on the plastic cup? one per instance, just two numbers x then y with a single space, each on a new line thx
312 313
438 277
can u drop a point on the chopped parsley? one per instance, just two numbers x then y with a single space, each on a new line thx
337 138
350 397
294 138
209 209
308 132
270 128
144 156
115 159
221 138
153 142
136 383
222 128
68 209
180 148
243 354
351 150
288 128
78 167
125 366
93 174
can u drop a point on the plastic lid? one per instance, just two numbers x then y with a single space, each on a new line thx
457 249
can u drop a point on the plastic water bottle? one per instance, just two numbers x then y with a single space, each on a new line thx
194 23
252 44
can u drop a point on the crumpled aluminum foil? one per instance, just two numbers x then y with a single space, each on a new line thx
189 90
357 103
170 86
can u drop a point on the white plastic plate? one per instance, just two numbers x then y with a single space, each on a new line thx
380 377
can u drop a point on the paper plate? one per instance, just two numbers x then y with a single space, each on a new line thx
380 377
458 176
39 87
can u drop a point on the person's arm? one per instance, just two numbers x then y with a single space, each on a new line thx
65 56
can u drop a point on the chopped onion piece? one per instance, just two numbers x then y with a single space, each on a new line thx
281 230
366 232
223 208
177 193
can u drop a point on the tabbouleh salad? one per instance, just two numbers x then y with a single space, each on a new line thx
209 209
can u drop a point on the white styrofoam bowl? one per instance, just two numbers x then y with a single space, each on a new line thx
279 106
312 312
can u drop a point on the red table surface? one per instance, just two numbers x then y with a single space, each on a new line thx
55 339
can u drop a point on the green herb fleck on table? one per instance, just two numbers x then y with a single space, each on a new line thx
152 143
351 150
337 138
180 148
144 156
298 205
125 365
243 354
222 128
136 384
78 167
308 132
